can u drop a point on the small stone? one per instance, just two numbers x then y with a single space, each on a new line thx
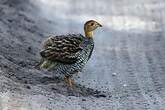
114 74
102 95
125 85
5 66
29 48
10 20
53 88
83 99
28 87
25 81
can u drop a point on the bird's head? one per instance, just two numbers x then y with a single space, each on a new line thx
90 26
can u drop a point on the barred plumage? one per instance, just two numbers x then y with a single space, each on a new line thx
70 60
68 54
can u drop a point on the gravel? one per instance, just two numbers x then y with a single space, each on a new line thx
126 71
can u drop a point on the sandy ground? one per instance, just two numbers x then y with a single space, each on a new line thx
126 71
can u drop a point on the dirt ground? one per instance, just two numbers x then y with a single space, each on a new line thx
126 71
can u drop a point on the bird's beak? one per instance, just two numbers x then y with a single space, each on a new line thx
99 25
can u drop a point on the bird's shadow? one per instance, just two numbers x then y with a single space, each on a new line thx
32 77
77 90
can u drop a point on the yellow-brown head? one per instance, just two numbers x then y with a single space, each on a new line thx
90 26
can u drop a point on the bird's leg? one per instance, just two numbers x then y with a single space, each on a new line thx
72 80
69 81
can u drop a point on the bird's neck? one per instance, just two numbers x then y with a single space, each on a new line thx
89 34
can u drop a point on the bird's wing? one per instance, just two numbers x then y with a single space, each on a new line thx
62 48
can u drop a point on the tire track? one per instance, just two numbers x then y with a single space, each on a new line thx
137 101
143 76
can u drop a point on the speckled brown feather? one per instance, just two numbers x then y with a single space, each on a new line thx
62 48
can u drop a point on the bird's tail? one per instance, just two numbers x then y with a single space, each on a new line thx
46 64
39 63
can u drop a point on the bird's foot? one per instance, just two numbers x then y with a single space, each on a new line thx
70 82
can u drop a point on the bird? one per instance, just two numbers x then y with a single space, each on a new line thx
68 54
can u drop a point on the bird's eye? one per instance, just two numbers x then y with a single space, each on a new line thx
92 24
